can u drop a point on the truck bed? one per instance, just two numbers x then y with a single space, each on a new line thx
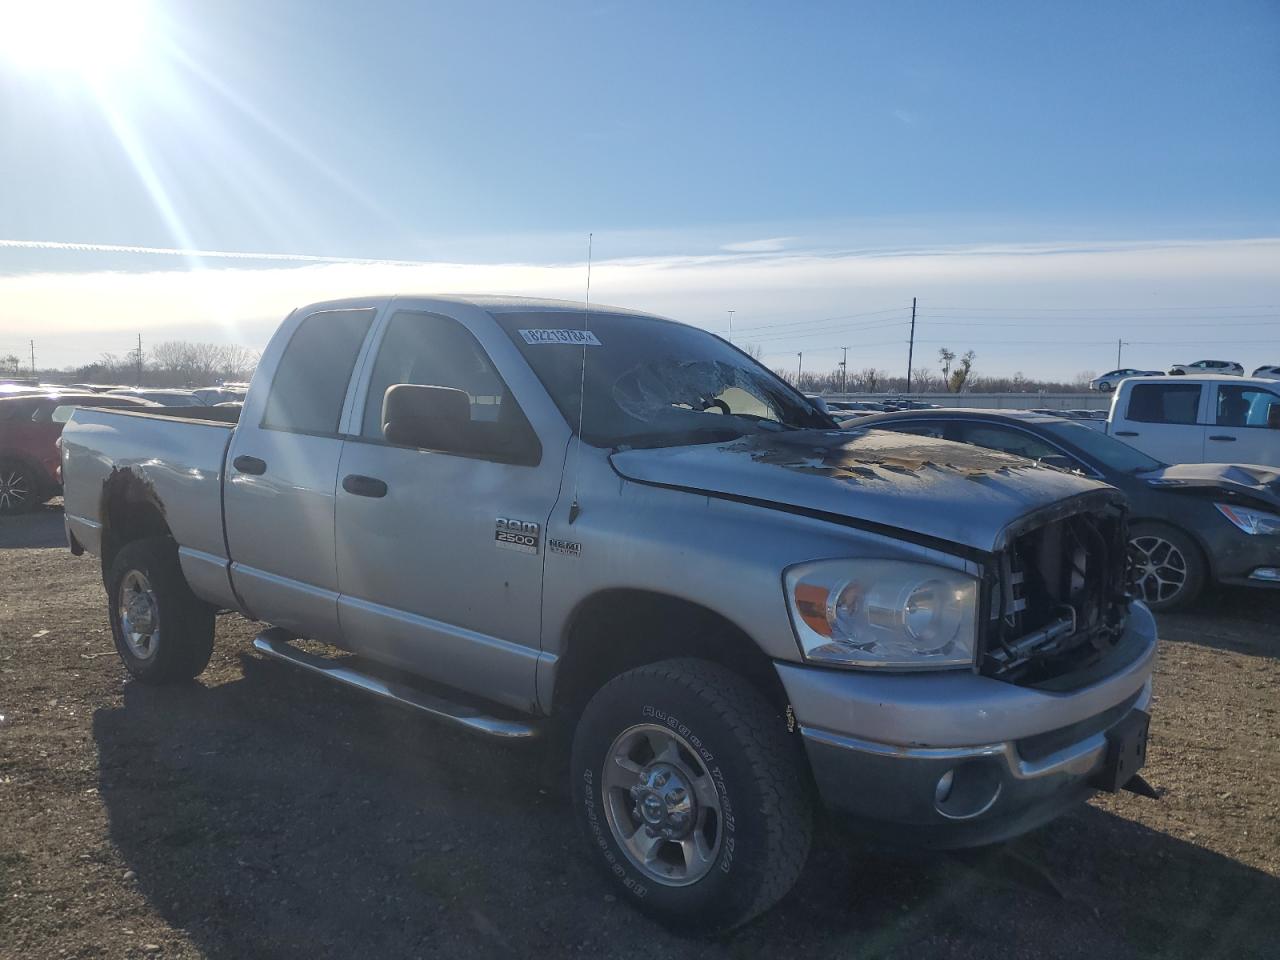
173 457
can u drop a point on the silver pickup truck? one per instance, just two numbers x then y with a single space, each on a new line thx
528 517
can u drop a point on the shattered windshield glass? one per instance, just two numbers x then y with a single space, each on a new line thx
652 382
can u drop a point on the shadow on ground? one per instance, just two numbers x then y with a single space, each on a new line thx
1227 618
42 527
277 816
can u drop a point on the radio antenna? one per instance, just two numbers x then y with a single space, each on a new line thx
574 508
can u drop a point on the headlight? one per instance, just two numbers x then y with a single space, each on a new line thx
1250 520
883 613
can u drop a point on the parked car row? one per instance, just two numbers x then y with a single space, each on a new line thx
1111 379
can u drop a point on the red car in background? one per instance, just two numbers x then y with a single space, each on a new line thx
29 457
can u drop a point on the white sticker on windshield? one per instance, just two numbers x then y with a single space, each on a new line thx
580 338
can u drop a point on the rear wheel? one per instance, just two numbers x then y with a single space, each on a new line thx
691 794
17 488
1169 570
163 632
1105 386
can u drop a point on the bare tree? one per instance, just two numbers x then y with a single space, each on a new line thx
945 359
961 373
753 350
10 364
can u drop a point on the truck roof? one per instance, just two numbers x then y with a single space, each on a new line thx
488 302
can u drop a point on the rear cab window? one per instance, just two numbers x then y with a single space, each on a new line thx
311 380
1164 403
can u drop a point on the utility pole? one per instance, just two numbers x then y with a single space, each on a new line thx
139 359
911 345
731 313
799 367
1119 344
33 358
844 370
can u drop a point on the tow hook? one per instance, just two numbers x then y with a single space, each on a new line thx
1137 784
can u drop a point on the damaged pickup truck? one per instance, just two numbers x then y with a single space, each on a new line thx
523 517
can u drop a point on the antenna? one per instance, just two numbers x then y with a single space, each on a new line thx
574 508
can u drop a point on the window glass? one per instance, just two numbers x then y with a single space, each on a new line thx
435 351
1244 406
918 428
311 381
1010 441
1164 403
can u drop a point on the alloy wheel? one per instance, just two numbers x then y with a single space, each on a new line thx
1159 568
139 615
662 805
15 490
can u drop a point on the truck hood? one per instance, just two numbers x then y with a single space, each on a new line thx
937 489
1248 480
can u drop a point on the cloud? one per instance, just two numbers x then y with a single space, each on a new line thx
770 245
74 316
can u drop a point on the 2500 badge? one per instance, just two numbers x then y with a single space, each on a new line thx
516 535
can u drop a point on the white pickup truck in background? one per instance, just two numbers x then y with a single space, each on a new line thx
1210 419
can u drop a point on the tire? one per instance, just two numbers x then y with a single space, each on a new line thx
163 632
18 488
1161 554
749 816
1105 387
1177 373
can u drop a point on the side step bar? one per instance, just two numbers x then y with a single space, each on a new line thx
275 644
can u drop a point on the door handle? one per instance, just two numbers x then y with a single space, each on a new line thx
1222 436
362 486
1126 433
248 464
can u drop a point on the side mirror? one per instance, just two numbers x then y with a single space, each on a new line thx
435 418
1273 416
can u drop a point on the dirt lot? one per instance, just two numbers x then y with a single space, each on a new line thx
263 813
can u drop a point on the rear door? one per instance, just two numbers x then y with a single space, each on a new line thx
1163 420
282 472
440 552
1238 431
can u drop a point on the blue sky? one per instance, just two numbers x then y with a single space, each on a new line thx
496 134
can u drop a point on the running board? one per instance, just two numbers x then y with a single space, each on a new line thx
275 644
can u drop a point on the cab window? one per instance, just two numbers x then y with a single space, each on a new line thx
1164 403
310 383
1244 406
430 350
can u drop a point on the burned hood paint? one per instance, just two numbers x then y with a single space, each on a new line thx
935 488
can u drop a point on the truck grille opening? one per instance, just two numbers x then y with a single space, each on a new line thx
1058 598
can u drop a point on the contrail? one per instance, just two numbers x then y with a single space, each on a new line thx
200 254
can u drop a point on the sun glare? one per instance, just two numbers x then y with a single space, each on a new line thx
89 38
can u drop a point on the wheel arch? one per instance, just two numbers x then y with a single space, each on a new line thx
1206 554
619 629
130 510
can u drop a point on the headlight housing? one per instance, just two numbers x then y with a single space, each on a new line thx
1249 520
884 614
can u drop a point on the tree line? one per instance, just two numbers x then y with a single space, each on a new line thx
955 373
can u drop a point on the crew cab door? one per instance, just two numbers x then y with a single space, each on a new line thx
440 544
282 470
1238 431
1163 420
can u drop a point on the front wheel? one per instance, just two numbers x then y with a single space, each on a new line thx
1105 387
692 795
163 632
1169 570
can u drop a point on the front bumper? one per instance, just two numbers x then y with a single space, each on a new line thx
880 747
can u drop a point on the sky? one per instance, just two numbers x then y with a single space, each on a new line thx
1045 179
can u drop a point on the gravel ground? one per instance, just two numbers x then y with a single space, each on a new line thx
264 813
